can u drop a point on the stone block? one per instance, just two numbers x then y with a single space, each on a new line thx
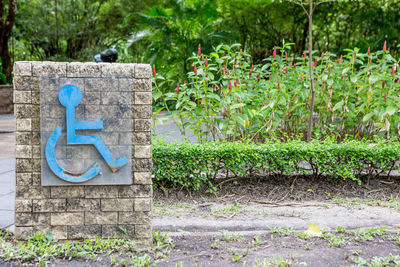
36 98
23 165
22 68
36 152
88 69
36 124
143 165
143 178
21 83
21 233
36 179
142 204
49 205
143 71
49 68
23 138
79 204
67 191
141 85
142 151
143 98
23 179
32 192
116 204
35 138
143 231
23 151
101 85
142 125
100 217
101 192
22 97
135 191
137 217
141 138
142 111
84 231
23 205
118 70
111 98
31 219
122 231
67 218
26 111
58 232
23 125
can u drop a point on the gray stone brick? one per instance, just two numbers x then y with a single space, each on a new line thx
111 98
100 217
58 232
67 191
143 165
49 205
142 204
36 152
143 98
141 138
23 179
67 218
101 192
35 138
32 192
23 165
25 111
31 219
143 231
23 205
142 111
22 83
137 217
36 179
88 69
79 204
141 85
101 85
23 138
35 124
22 97
49 68
84 231
142 178
118 70
23 125
117 204
143 125
22 68
23 151
122 231
143 71
36 98
135 191
142 151
21 233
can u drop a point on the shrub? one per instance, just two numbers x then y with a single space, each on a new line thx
198 166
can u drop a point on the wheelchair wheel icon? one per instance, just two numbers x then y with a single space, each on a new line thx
70 96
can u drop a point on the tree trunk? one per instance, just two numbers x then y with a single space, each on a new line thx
5 34
6 61
310 122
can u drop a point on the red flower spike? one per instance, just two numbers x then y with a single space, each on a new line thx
370 61
177 88
258 79
199 50
235 82
329 69
304 54
206 75
251 69
302 79
206 62
384 47
342 77
291 63
286 70
354 56
202 58
247 82
230 86
383 84
385 96
393 70
274 52
294 66
279 85
269 74
285 55
154 70
322 55
341 59
398 81
224 54
195 69
369 51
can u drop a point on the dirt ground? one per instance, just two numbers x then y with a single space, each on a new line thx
262 222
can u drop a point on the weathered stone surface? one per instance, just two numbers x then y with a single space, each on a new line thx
79 204
142 204
23 232
58 232
143 98
49 68
31 219
141 85
26 111
101 192
137 217
100 217
117 204
67 218
135 191
23 151
142 165
22 68
23 205
118 70
32 192
142 71
143 125
67 192
141 138
123 231
22 83
23 138
23 179
23 125
22 97
84 231
142 151
142 111
143 231
111 98
36 152
101 85
49 205
88 69
143 178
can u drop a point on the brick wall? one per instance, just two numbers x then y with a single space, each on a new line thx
83 211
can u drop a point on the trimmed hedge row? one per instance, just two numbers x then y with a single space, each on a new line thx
197 166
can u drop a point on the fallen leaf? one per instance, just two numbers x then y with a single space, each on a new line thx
313 230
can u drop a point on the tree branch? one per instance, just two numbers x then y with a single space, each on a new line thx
302 6
12 6
2 5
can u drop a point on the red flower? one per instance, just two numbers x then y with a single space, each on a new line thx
294 66
393 70
322 55
369 51
199 50
206 62
384 47
154 70
177 88
385 96
291 63
230 86
302 79
341 59
251 69
258 79
329 69
236 82
383 84
285 55
247 82
354 56
274 52
224 54
398 81
269 74
286 69
224 71
195 69
304 54
279 85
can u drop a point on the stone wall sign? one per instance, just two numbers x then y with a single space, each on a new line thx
83 149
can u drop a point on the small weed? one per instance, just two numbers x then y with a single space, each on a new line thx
216 244
238 255
334 240
257 240
368 234
304 236
229 210
341 229
308 246
229 236
396 238
281 231
391 260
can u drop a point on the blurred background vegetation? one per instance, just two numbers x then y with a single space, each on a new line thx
167 32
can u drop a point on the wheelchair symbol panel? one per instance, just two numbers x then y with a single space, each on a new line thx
70 97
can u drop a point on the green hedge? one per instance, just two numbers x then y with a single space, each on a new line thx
196 166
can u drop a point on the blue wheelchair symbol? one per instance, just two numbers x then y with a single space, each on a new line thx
70 96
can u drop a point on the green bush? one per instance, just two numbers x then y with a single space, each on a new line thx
198 166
